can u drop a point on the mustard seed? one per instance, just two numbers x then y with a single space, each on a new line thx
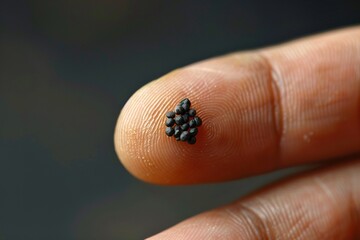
179 110
192 112
193 131
169 122
179 120
192 123
184 136
185 117
169 131
185 126
170 114
198 121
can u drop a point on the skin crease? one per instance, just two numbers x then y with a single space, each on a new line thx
262 110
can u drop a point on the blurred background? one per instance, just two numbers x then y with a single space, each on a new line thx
66 70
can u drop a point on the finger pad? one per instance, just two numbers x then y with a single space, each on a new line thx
237 131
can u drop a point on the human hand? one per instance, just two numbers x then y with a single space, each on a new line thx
292 104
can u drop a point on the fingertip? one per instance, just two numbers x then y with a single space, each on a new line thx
228 141
140 140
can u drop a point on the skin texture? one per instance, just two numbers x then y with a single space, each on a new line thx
262 110
323 204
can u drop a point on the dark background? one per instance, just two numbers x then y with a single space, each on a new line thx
68 67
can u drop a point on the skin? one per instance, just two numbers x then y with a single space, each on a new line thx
292 104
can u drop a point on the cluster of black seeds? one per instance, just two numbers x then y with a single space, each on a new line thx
182 123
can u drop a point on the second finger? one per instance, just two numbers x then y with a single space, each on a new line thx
323 204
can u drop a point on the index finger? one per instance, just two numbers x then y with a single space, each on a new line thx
262 110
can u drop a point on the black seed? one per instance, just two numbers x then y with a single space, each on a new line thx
170 114
198 121
177 133
185 106
186 101
185 117
192 112
192 123
193 131
185 126
182 123
192 140
169 122
169 131
184 136
179 110
179 120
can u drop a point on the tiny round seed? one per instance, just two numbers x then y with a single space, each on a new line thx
170 114
179 120
169 131
192 140
198 121
179 110
184 136
186 101
182 123
192 123
185 126
177 133
185 117
169 122
193 131
185 106
192 112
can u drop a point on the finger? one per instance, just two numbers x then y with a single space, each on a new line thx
320 205
261 110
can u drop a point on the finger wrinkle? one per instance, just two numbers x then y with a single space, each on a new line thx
255 225
325 188
276 92
300 228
